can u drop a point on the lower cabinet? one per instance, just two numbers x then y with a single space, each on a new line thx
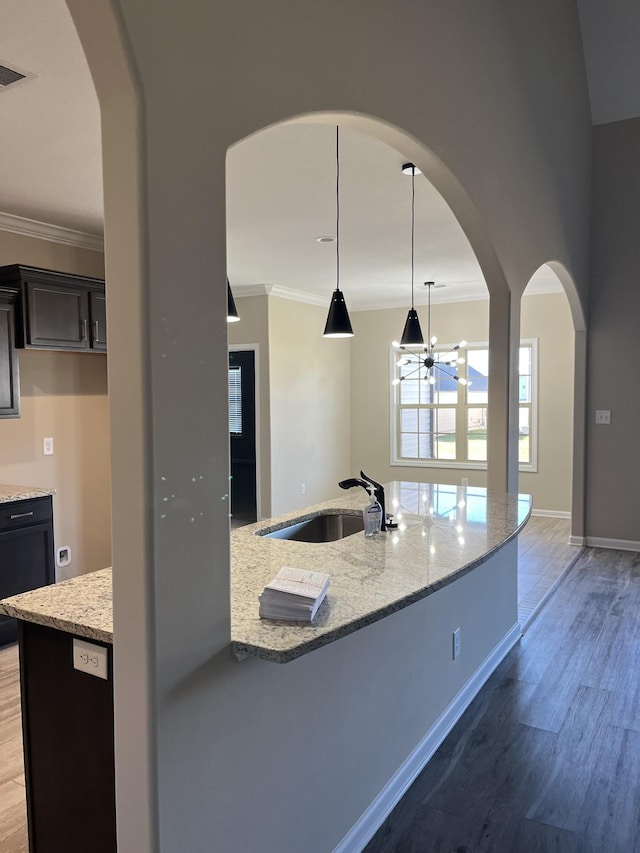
67 724
26 552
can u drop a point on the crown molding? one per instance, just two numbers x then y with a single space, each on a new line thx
283 292
53 233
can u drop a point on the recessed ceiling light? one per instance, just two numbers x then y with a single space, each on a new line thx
325 239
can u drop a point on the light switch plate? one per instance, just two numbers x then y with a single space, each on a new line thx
603 416
90 658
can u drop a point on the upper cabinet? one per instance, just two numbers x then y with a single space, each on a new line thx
9 382
58 311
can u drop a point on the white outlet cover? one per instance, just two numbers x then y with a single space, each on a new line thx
47 446
603 416
90 658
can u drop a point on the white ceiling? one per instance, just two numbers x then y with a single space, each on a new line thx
281 183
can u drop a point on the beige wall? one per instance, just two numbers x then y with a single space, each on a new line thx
310 406
63 395
474 96
253 328
546 317
613 471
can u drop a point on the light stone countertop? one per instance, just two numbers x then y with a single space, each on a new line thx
444 532
22 493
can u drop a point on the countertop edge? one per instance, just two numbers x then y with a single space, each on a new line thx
243 650
66 625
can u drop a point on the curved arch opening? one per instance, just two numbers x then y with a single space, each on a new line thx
280 202
551 419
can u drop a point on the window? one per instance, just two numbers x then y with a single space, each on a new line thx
235 400
445 424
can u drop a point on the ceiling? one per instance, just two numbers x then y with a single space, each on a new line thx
281 182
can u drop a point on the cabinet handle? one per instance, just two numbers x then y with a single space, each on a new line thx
20 515
84 330
96 331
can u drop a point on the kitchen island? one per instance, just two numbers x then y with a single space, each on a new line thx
371 704
443 532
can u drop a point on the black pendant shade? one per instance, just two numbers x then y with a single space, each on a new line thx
412 333
232 311
338 323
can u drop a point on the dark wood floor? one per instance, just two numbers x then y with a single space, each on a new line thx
547 757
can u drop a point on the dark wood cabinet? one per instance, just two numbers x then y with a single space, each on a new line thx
9 376
67 724
57 317
57 311
26 552
98 319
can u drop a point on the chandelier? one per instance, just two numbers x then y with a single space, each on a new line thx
423 363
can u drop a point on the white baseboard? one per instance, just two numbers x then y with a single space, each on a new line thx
616 544
551 513
577 540
367 825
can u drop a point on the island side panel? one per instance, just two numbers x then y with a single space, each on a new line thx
306 747
67 721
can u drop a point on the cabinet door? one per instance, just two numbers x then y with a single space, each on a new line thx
57 317
26 562
98 311
9 381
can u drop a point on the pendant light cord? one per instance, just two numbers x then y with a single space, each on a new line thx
338 207
413 226
430 284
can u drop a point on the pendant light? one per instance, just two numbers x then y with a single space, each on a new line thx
412 333
232 311
338 324
423 365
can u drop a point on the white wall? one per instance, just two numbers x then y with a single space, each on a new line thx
461 91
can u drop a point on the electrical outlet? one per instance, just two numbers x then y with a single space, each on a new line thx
603 416
90 658
303 488
47 446
456 643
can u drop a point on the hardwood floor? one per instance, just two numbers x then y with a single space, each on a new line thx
547 757
544 557
13 813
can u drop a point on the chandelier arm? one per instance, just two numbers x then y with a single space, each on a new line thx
409 375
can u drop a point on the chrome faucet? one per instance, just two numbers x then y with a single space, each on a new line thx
366 482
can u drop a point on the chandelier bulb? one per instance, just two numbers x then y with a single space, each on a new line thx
432 379
462 381
396 381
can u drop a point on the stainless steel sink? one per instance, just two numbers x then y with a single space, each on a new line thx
325 527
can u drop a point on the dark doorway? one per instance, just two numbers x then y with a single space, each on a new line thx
242 428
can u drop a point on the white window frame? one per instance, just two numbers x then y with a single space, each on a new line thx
397 461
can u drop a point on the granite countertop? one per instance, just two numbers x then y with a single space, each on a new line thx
22 493
444 532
